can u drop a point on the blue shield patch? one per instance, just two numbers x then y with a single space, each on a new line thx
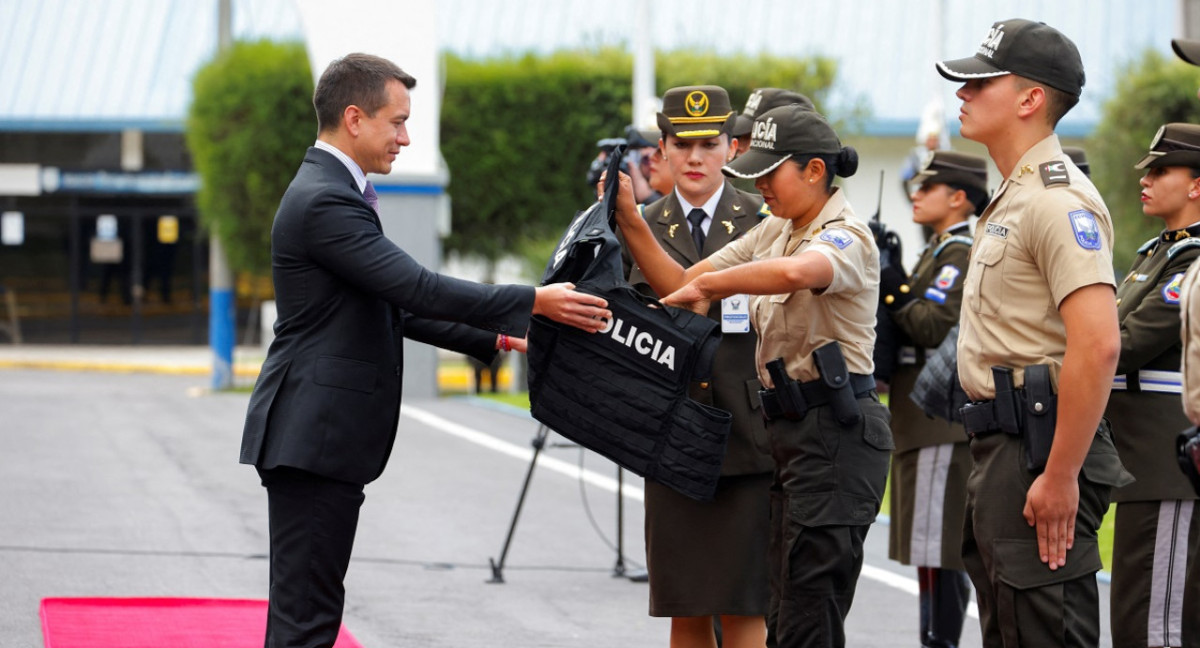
1087 232
839 237
1170 292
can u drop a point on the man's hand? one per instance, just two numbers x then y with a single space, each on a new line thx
520 345
1050 505
561 303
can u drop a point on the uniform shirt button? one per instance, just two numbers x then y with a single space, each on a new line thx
703 385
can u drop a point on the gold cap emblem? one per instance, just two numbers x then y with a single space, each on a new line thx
696 103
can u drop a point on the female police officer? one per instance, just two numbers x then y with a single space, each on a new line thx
708 558
1155 551
813 269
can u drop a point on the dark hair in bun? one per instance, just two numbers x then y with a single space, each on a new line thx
847 162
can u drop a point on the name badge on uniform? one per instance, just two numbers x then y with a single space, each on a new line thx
735 314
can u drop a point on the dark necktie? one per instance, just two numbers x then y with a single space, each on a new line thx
371 196
695 217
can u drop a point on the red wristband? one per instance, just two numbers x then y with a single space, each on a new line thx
504 342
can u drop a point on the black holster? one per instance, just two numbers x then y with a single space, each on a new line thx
1030 413
831 366
1041 415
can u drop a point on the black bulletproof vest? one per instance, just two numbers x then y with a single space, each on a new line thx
623 392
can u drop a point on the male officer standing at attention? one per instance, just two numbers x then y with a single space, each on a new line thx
1038 311
323 415
931 460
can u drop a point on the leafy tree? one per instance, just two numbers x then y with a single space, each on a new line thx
518 132
1150 91
250 121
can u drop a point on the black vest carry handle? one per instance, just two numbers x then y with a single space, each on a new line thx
589 249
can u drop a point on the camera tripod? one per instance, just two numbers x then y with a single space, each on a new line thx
619 569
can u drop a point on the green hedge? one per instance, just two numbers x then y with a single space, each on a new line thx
250 121
519 132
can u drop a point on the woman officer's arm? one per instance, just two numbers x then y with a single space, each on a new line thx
805 271
662 272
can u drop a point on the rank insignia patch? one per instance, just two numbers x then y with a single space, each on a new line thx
935 295
839 237
1170 292
1087 232
945 279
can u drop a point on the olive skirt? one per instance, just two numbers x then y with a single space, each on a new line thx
708 558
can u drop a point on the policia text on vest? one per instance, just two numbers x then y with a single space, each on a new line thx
622 392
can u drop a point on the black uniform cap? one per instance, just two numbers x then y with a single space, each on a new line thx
1173 145
764 99
781 133
961 170
1029 49
1188 50
1079 157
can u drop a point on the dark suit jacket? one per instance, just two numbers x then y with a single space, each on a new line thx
328 398
734 385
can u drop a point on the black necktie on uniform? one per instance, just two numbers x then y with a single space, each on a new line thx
695 217
371 197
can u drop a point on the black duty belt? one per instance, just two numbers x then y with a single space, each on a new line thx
979 418
815 394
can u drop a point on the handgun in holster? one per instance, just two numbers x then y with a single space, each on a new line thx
831 366
1188 448
787 391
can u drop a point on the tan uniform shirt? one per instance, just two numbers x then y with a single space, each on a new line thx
792 325
1190 318
1045 234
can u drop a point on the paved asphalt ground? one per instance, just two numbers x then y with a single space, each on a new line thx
127 484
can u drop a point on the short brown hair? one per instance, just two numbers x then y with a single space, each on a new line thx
355 80
1058 103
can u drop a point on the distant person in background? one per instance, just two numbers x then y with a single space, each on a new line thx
1156 539
1079 157
932 459
928 141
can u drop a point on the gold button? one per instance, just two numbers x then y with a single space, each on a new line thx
703 385
889 299
1118 301
904 289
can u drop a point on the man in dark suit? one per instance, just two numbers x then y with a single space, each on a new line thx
323 415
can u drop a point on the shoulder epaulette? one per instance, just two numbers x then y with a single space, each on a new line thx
1147 245
764 211
965 240
1054 173
1179 247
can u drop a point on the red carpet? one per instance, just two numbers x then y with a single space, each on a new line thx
159 623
